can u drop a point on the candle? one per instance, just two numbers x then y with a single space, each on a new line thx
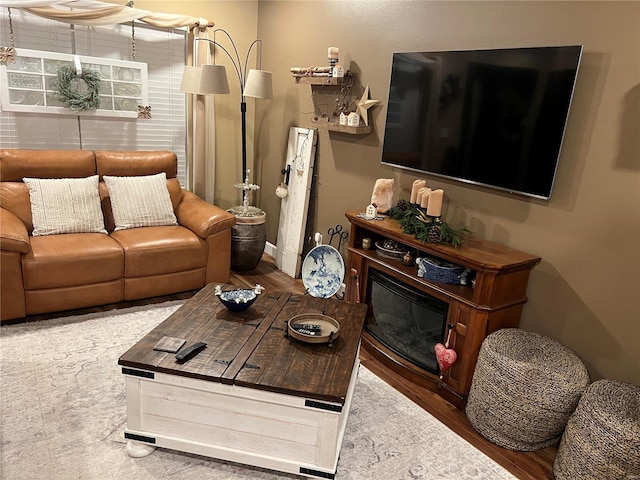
424 201
333 52
420 194
435 203
417 185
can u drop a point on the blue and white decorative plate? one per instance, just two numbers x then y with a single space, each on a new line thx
323 271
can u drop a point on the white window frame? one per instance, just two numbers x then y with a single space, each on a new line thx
28 84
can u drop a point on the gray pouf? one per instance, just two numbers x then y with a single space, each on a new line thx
524 389
602 438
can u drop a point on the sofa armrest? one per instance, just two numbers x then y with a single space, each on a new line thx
13 233
201 217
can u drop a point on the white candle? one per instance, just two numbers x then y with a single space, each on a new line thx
435 203
424 201
333 52
420 193
417 185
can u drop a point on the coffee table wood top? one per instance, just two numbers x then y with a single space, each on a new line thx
250 348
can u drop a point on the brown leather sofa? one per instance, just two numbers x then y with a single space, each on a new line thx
49 273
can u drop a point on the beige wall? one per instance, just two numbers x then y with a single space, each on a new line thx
586 291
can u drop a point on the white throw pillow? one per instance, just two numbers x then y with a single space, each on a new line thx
140 201
65 205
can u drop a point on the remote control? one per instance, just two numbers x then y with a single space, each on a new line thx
305 331
307 327
310 326
190 352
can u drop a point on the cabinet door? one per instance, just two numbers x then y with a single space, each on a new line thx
354 280
458 377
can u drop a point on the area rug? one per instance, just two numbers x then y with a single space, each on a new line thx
62 406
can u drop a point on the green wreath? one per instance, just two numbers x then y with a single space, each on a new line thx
74 99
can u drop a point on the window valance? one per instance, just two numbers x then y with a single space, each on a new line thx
94 13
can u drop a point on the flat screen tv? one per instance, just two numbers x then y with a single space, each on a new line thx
487 117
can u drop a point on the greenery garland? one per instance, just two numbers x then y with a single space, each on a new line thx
73 99
414 221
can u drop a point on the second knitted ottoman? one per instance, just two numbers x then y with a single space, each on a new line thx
524 389
602 438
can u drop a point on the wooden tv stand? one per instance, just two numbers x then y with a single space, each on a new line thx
496 300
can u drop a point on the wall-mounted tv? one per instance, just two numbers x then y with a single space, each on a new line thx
487 117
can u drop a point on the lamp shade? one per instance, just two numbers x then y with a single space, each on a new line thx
190 80
258 85
213 80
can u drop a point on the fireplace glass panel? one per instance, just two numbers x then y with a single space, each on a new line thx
405 320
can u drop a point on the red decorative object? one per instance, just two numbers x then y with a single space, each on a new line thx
445 356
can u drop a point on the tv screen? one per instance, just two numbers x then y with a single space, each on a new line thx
488 117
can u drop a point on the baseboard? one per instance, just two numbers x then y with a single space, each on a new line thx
270 249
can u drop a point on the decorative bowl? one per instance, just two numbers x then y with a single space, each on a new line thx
313 328
239 299
391 249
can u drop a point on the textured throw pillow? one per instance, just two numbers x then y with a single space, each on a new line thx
140 201
65 205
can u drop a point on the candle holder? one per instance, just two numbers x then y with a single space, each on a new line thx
415 220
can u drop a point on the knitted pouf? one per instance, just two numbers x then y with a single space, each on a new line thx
524 389
602 438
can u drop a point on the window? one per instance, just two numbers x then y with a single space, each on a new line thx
28 84
162 50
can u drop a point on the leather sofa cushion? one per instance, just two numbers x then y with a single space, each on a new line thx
17 164
72 259
158 250
70 298
165 284
122 163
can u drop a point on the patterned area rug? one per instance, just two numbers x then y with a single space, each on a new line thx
62 405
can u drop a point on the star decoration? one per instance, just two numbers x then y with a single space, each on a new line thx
365 104
144 112
7 55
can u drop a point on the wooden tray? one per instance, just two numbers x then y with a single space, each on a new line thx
328 328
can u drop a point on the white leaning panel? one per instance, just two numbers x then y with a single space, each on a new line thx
301 152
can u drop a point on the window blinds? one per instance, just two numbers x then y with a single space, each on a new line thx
163 50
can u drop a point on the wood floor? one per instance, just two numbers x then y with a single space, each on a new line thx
524 465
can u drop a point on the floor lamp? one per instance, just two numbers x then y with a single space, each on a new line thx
211 79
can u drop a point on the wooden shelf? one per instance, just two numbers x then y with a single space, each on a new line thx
461 293
336 127
319 80
323 123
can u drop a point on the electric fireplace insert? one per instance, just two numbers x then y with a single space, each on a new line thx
407 321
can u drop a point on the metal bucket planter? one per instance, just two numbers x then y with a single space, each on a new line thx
248 239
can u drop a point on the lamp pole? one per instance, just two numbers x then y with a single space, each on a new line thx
243 114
